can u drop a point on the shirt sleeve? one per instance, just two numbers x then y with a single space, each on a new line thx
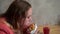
2 32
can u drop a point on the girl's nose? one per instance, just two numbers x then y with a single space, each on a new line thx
30 20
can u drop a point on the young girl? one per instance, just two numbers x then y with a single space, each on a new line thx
18 13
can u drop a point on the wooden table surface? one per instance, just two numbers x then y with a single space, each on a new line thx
53 29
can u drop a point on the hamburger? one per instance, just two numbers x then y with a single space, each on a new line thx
32 27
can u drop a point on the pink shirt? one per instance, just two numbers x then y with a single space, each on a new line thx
4 29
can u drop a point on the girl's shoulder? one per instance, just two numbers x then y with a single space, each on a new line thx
4 28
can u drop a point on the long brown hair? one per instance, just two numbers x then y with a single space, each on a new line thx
16 10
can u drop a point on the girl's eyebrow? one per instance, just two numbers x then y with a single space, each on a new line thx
29 15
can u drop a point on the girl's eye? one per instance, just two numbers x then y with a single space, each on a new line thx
28 16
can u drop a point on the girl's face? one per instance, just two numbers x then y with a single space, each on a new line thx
28 19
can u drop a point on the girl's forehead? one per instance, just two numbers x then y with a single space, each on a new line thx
29 12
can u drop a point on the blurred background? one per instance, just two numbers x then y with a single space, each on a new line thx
44 12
